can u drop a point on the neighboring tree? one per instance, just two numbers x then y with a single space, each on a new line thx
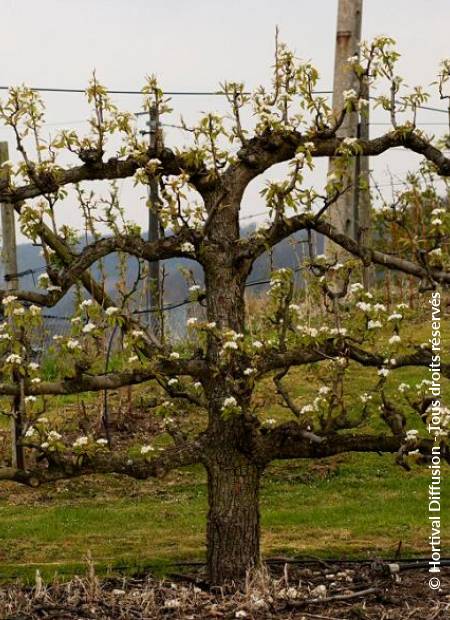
202 188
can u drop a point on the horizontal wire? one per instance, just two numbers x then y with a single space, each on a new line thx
172 93
182 93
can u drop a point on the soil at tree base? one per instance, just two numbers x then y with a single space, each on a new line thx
291 591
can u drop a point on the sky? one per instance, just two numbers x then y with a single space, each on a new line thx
194 46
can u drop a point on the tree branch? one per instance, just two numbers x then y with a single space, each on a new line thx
287 441
109 381
113 168
332 348
253 247
270 148
105 462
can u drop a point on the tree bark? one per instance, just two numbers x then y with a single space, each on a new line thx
233 528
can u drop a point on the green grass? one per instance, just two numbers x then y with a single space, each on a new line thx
347 506
351 506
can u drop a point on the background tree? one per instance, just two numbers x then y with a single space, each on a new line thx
202 186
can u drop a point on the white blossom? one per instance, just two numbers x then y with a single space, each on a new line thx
383 372
88 328
364 306
374 324
349 95
13 358
231 345
394 339
230 401
111 310
147 449
349 141
311 331
307 409
379 307
80 441
356 287
396 316
187 247
9 299
174 355
43 280
338 331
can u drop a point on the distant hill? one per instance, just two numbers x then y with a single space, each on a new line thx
288 253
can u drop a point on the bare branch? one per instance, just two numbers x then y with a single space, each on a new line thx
105 462
287 442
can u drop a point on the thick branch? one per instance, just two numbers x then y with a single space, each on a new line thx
331 348
264 151
114 168
109 381
79 264
287 441
105 462
255 246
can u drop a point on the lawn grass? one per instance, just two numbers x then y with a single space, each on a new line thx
352 505
347 506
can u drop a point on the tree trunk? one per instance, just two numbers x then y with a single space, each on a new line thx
233 529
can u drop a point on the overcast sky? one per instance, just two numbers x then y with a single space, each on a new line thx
195 45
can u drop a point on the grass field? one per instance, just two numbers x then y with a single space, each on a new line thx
351 506
346 506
